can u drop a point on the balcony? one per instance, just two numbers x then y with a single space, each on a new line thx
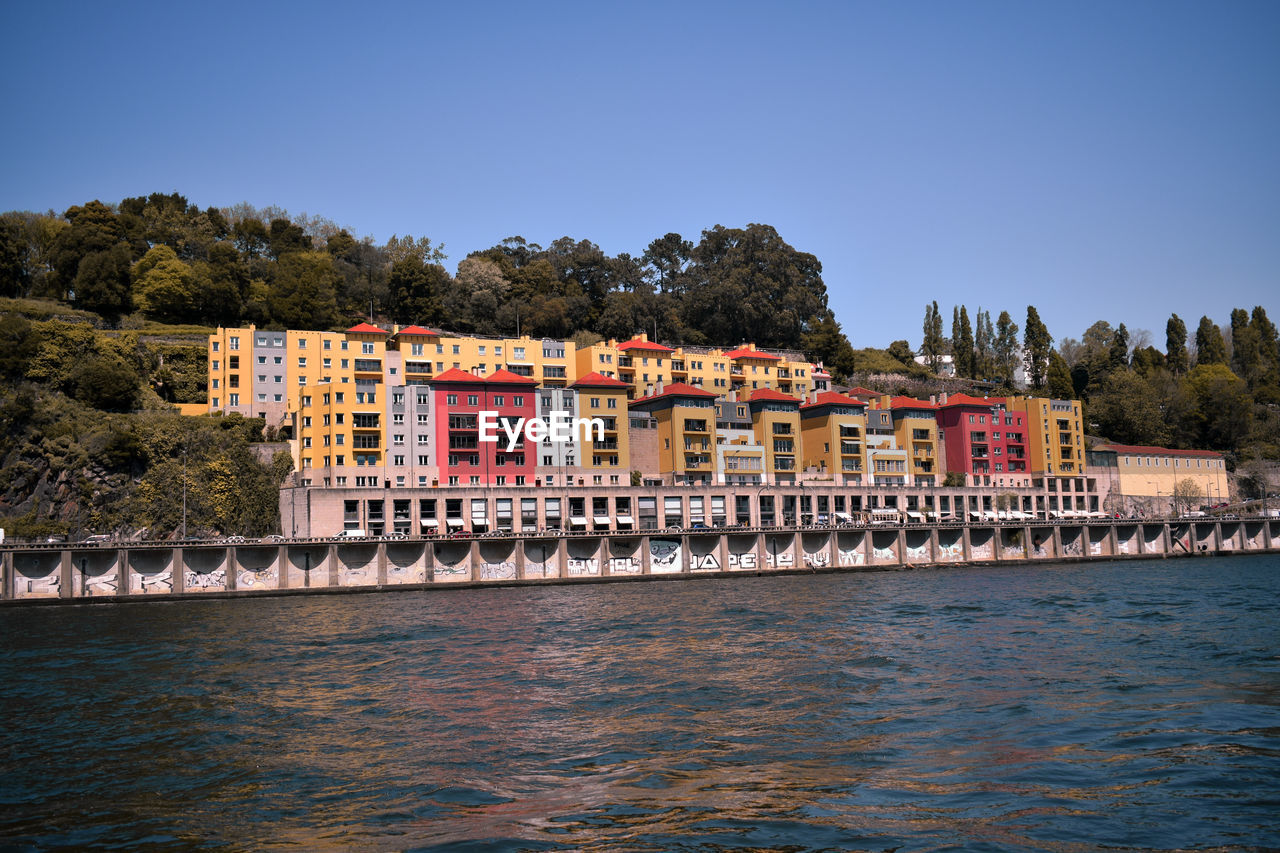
417 367
850 432
463 422
608 444
736 371
624 361
368 365
784 463
850 448
696 461
850 465
678 367
695 426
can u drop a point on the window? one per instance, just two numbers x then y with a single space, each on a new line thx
233 400
451 399
613 403
497 399
366 348
473 400
235 343
517 401
457 350
215 346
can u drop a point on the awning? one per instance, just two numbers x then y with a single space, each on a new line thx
1055 514
976 515
626 519
844 516
578 520
915 515
601 520
430 522
454 522
989 515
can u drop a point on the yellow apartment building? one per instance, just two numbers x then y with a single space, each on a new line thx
686 431
915 428
1137 471
1055 436
832 432
775 419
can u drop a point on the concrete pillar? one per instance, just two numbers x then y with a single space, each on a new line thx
233 567
902 546
966 543
519 556
1057 540
833 548
1113 538
562 557
724 553
331 557
997 543
429 561
282 567
122 570
382 564
935 555
474 559
177 569
646 556
6 575
65 589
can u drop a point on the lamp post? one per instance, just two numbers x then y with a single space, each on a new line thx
184 491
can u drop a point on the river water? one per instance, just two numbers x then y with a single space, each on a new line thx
1129 705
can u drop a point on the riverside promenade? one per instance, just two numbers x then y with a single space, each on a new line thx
82 572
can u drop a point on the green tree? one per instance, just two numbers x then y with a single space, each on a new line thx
933 345
901 350
1128 411
1006 347
165 288
1176 345
107 384
984 338
1222 410
417 289
1210 348
1058 378
962 344
103 283
825 341
304 293
1118 354
1037 344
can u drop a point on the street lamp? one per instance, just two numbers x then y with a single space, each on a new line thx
184 491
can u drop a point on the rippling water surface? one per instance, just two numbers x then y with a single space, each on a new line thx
1124 705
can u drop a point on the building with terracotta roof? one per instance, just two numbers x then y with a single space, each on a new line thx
915 427
685 419
984 440
1140 480
832 432
775 420
605 459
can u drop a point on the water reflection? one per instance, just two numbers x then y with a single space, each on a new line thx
1064 708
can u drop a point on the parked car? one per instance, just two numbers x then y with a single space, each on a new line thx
354 533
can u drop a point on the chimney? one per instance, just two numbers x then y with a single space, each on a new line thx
933 399
813 396
659 387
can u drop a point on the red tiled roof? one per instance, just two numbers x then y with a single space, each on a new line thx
910 403
1138 449
502 376
862 392
418 330
966 400
743 352
453 374
596 380
366 329
770 394
832 398
676 389
636 343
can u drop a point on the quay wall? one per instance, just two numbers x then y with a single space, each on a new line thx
85 573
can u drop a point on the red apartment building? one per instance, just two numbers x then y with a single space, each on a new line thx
464 459
984 441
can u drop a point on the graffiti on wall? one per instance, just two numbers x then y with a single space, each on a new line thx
624 566
140 584
213 581
851 557
579 566
503 571
666 556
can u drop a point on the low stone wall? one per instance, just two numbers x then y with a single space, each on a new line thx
158 572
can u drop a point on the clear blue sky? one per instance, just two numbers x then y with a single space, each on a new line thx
1099 160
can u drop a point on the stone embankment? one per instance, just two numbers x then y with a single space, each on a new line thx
80 573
